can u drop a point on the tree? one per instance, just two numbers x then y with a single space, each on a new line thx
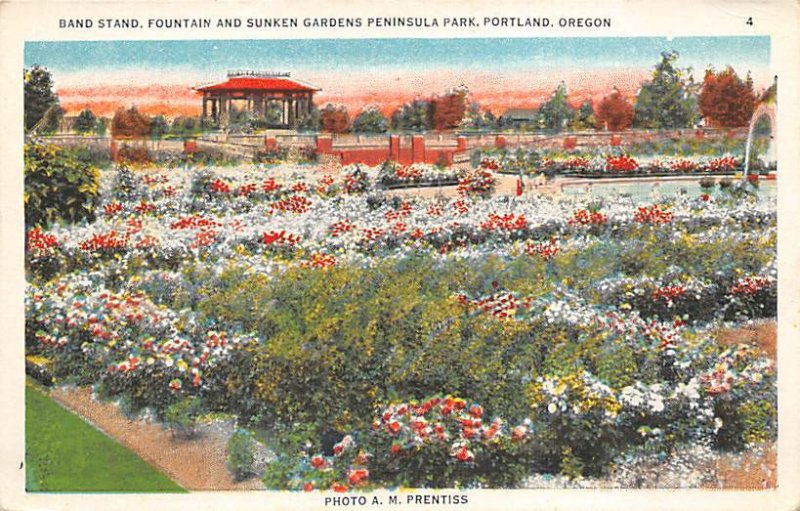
726 100
183 126
447 110
414 116
158 126
130 123
669 100
770 95
335 119
556 112
101 127
310 121
584 117
85 122
370 120
39 99
479 119
615 112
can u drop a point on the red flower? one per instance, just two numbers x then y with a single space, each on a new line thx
317 461
652 215
339 488
706 197
395 448
586 217
220 186
308 487
394 426
112 208
357 475
463 454
621 163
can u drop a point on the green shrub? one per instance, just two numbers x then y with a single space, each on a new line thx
182 416
241 454
127 186
58 187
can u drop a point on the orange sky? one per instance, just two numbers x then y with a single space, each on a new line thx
357 90
386 92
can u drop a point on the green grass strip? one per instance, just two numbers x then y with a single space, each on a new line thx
64 453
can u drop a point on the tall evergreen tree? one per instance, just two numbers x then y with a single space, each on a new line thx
669 100
556 112
39 99
85 122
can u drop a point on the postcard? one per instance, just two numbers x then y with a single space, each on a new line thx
429 256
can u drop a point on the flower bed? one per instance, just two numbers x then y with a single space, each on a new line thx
578 333
612 165
393 175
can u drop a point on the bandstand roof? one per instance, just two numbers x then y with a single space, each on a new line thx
258 82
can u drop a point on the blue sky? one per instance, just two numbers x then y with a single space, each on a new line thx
744 53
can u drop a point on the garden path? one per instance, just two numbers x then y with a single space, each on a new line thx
196 464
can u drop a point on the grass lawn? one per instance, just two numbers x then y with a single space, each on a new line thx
64 453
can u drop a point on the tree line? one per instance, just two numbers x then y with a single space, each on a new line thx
670 99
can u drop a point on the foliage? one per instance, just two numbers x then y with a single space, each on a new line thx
556 112
310 121
130 123
126 185
584 117
185 126
181 417
440 442
241 454
101 127
301 305
479 119
770 95
413 116
356 181
58 187
370 120
669 100
64 453
615 112
133 153
335 119
447 110
40 100
158 126
85 122
726 100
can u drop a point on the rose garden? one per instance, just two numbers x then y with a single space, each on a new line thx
370 339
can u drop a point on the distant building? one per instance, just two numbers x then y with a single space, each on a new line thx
258 93
515 116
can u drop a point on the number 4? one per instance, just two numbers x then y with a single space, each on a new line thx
749 22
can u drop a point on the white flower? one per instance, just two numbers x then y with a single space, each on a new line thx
552 408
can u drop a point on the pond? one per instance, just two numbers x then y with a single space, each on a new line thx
643 190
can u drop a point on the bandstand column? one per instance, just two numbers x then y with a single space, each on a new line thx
290 107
